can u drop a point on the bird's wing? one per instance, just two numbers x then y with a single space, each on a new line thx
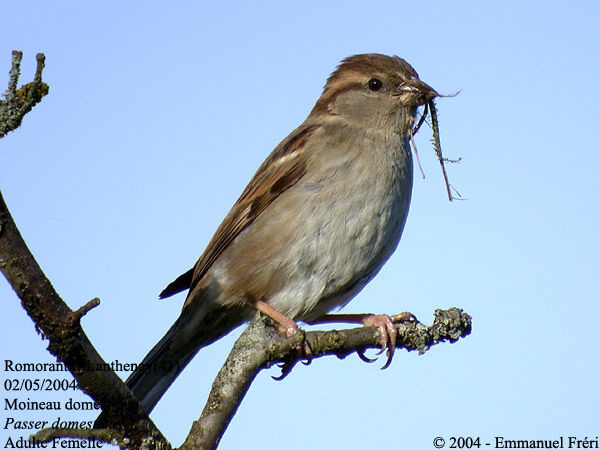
281 170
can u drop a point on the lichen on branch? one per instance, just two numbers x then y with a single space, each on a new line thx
18 102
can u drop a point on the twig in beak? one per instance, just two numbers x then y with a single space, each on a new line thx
414 146
412 132
437 145
421 120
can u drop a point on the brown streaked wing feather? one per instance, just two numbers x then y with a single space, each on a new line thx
282 169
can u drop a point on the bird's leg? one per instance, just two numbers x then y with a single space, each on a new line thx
383 323
289 328
285 325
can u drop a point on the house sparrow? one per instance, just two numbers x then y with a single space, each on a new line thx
315 224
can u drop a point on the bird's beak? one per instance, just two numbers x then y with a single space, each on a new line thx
416 93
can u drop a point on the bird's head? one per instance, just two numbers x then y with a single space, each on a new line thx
378 92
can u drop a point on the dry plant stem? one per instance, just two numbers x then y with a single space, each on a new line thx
438 146
19 102
414 131
260 347
414 146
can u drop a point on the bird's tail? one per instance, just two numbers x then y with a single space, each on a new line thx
163 364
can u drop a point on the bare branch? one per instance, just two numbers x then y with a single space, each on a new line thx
50 314
19 102
77 315
68 342
260 346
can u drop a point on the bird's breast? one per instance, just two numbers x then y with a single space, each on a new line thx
350 216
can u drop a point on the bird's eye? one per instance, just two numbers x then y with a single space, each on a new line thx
375 84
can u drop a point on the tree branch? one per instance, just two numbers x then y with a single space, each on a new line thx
68 342
50 314
19 102
260 346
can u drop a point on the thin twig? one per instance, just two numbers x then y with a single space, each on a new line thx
414 146
421 120
41 63
438 146
412 132
15 73
77 315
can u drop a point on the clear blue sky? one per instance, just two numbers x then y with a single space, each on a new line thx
160 112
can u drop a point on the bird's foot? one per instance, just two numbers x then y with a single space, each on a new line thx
387 333
384 324
303 354
287 327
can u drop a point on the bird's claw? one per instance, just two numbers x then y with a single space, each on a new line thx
305 351
303 354
361 354
387 333
404 317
